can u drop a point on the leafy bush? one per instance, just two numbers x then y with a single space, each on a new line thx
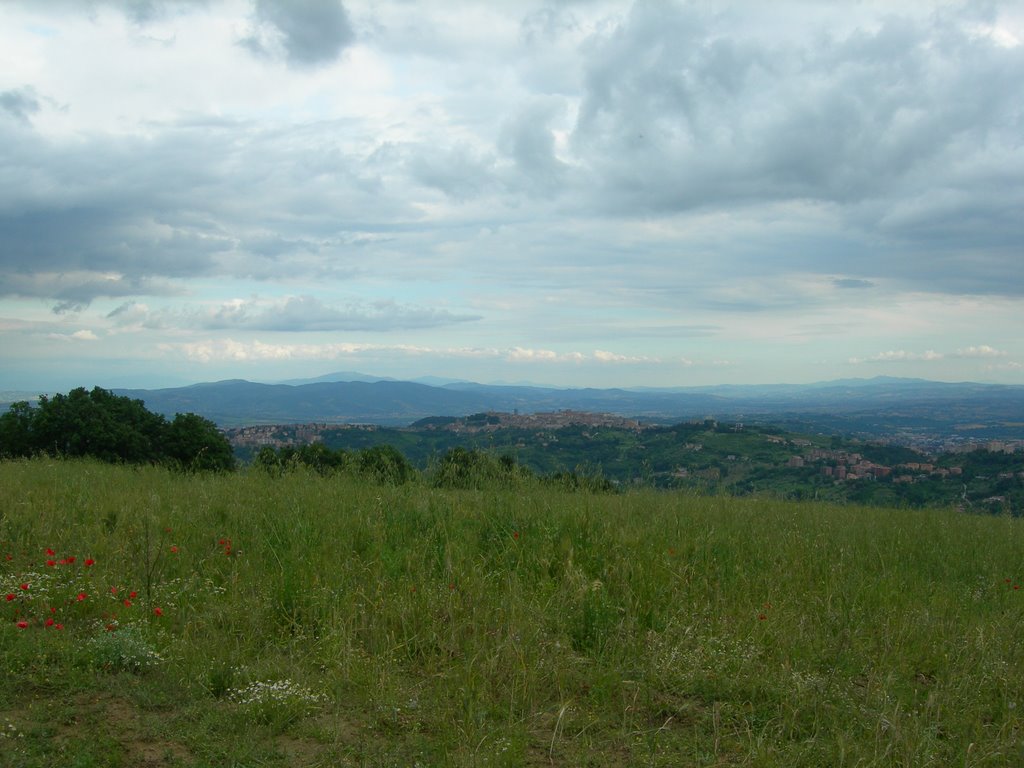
461 468
385 465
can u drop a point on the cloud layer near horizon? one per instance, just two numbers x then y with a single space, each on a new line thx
793 185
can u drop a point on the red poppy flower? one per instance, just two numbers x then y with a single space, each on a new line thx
81 596
158 611
10 596
69 559
22 624
133 594
51 563
58 626
113 590
24 587
127 603
50 552
89 561
174 549
49 622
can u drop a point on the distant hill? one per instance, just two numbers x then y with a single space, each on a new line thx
397 403
882 406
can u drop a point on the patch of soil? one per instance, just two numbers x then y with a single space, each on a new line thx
125 722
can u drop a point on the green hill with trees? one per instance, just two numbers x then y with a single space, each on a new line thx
705 456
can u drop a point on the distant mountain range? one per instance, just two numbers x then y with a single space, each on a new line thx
866 406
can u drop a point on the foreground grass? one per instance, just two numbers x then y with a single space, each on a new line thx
343 623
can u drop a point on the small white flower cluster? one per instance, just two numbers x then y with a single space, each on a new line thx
124 648
263 692
11 732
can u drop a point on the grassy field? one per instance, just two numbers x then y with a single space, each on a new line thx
337 622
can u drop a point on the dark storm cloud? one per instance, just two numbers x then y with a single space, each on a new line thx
311 32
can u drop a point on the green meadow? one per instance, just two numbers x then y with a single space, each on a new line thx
155 618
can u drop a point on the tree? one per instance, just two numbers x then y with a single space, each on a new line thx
111 428
194 443
99 424
16 435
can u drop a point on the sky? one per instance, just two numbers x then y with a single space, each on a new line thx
579 194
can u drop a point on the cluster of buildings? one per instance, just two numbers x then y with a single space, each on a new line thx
846 465
281 435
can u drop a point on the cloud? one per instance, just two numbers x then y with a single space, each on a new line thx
908 127
849 282
900 356
461 171
185 203
527 355
528 141
19 103
83 335
611 357
308 32
983 351
566 184
74 290
146 11
1009 366
306 313
213 350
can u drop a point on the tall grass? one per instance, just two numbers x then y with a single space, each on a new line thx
510 626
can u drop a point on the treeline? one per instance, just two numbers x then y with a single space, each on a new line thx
456 468
112 428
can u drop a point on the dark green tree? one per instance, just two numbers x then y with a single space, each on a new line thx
194 443
16 433
112 428
98 424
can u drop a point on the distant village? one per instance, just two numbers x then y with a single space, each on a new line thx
845 465
284 435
